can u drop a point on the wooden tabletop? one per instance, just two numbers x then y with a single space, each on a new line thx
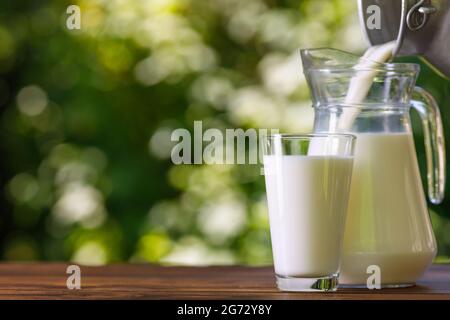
133 281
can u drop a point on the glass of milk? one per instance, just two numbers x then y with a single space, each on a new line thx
307 184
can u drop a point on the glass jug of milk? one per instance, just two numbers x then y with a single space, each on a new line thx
388 224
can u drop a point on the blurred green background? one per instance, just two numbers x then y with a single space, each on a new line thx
86 118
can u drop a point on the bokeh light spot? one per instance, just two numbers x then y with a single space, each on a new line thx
32 100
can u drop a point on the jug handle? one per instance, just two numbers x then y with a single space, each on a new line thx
428 110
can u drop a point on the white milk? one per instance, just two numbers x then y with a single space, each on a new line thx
307 207
387 220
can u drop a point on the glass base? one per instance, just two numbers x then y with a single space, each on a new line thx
297 284
383 286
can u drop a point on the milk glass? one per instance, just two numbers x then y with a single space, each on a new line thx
307 193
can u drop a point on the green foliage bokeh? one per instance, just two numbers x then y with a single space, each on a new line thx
86 118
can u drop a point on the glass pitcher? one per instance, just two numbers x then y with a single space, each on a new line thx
388 224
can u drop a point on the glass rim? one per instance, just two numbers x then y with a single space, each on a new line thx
396 67
366 106
308 136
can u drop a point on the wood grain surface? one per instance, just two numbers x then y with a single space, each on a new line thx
138 281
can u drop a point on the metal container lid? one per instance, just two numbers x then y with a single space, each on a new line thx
420 27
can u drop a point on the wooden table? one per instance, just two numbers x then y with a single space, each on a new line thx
133 281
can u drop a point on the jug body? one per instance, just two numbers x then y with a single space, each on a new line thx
388 224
